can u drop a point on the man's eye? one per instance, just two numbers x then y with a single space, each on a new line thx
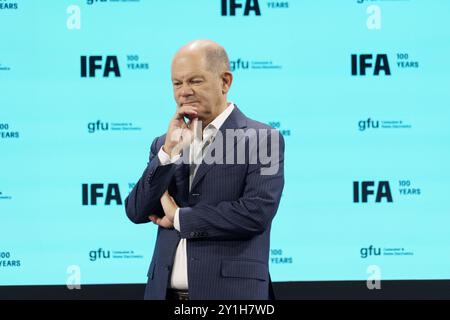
196 81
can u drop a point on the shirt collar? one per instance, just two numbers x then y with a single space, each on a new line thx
215 125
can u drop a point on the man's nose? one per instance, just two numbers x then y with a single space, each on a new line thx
186 91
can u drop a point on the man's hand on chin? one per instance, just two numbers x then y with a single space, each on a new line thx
170 207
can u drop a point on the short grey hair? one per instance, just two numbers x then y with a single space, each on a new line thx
216 59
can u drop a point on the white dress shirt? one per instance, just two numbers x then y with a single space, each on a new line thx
179 279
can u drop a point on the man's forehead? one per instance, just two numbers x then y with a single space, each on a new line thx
188 67
188 58
187 75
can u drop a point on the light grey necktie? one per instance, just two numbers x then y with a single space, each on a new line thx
193 166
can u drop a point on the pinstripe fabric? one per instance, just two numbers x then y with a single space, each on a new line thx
226 218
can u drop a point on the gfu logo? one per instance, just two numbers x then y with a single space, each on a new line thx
370 251
94 63
360 63
97 126
91 193
362 190
368 124
229 7
239 65
95 255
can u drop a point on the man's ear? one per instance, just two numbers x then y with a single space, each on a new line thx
227 79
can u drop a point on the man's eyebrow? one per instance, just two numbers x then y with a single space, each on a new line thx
190 77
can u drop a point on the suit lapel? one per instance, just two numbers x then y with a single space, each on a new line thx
235 120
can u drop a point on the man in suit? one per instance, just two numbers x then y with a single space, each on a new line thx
213 217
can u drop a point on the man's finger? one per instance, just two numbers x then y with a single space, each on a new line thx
195 129
171 199
164 222
186 111
156 220
164 198
167 201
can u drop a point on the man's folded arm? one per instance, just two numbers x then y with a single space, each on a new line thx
144 199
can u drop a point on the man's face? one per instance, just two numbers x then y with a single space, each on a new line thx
193 84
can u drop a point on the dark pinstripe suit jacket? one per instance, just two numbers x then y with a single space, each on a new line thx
226 219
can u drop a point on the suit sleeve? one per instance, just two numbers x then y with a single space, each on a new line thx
144 199
246 217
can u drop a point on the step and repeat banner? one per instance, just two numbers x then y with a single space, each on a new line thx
360 90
